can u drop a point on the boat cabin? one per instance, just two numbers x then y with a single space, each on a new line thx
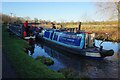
81 39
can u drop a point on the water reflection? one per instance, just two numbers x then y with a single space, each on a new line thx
40 51
87 67
109 45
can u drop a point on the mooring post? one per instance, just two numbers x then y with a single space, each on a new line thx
79 27
101 47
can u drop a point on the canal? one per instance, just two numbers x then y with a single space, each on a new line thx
106 68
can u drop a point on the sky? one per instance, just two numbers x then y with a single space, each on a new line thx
59 0
53 11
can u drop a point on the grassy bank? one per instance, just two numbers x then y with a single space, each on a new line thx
25 66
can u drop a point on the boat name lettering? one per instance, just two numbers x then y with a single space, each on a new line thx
71 36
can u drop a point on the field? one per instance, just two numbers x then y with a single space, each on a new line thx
102 29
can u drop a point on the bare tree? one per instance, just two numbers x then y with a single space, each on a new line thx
108 10
8 19
27 18
0 18
86 17
36 20
63 23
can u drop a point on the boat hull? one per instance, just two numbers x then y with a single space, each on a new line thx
72 50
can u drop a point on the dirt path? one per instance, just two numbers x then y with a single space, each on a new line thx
7 70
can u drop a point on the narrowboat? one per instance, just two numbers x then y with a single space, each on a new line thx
81 43
20 31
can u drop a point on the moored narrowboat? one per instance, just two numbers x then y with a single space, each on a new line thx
81 43
23 30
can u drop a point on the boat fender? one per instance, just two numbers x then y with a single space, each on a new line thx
101 47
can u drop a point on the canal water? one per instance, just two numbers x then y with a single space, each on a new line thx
109 45
106 68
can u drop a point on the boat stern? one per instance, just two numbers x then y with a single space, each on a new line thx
105 53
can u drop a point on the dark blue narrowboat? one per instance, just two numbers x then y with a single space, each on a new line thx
81 43
18 30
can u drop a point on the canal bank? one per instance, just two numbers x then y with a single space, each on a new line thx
24 65
106 68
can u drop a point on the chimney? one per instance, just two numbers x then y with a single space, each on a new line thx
79 27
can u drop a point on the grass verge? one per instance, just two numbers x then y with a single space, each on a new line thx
25 66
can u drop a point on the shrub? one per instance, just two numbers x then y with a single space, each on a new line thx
44 60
